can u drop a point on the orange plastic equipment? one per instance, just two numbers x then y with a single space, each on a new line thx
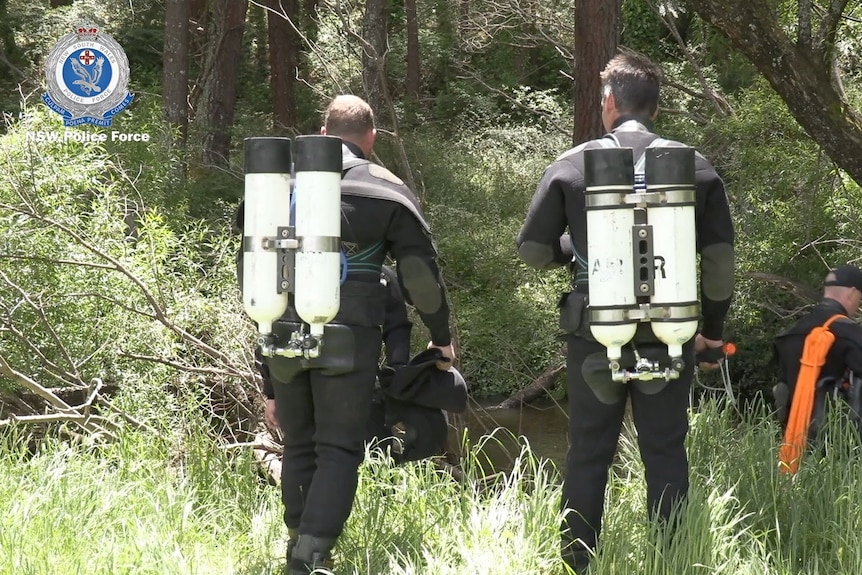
817 345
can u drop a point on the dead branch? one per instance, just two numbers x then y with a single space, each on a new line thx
117 266
721 105
473 75
8 63
800 291
40 311
181 366
267 454
80 415
55 261
371 52
136 423
545 381
88 422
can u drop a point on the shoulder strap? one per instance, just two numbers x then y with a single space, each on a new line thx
369 190
640 164
611 141
352 164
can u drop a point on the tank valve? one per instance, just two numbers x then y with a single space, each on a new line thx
299 345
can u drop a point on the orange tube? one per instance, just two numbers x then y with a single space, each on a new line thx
817 345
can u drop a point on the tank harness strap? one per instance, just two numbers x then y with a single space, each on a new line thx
611 141
640 165
817 345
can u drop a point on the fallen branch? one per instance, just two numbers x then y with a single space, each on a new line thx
269 459
546 380
86 421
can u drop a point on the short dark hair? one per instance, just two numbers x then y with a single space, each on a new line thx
348 115
635 81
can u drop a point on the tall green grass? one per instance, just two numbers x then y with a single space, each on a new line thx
145 505
183 505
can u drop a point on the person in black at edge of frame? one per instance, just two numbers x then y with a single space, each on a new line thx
322 404
842 295
630 96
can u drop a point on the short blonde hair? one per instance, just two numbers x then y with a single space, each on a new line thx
348 115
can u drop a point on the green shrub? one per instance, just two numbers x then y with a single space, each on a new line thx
95 277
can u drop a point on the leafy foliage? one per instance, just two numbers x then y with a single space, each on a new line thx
495 111
505 314
94 273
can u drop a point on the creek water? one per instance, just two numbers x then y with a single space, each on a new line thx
502 433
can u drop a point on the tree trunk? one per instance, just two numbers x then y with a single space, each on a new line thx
413 59
175 80
597 34
283 60
309 20
802 76
374 32
224 55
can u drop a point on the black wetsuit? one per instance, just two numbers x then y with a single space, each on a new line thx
596 403
845 353
323 404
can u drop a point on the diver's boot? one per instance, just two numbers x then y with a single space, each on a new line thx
292 537
310 553
578 562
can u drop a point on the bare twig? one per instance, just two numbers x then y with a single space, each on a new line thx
155 306
5 60
49 326
56 261
473 75
721 105
801 291
92 423
182 366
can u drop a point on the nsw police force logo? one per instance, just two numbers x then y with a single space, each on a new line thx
87 74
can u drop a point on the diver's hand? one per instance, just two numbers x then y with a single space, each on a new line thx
702 344
448 352
270 414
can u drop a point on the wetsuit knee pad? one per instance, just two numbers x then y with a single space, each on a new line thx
597 376
651 387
